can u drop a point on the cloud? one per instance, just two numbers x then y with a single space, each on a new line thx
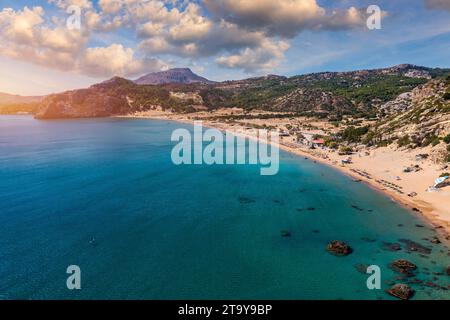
242 34
286 18
110 6
189 33
26 35
438 4
116 60
265 57
64 4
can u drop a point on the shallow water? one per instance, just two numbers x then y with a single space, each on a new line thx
186 232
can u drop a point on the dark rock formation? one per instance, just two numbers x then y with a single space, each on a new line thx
401 291
245 200
404 267
415 247
392 246
285 234
339 248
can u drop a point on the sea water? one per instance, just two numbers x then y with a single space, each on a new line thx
104 195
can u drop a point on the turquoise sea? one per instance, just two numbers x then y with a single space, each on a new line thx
187 232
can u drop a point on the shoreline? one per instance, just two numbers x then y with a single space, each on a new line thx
424 210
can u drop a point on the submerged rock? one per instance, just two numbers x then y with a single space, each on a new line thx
392 246
286 234
339 248
448 270
245 200
357 208
404 267
435 240
416 247
361 268
401 291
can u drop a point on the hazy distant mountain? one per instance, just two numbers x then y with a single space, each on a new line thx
178 75
6 98
12 104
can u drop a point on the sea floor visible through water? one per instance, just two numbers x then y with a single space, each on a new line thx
190 232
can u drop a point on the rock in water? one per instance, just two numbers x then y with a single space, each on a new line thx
435 240
339 248
401 291
392 246
448 270
415 247
285 234
404 267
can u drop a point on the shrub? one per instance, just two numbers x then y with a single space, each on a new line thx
383 143
435 142
404 141
352 134
447 139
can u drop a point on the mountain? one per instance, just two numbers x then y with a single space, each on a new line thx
11 104
178 75
419 118
6 98
361 93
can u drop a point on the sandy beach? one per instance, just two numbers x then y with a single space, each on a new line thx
380 168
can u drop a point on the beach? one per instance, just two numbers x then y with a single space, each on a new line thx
381 168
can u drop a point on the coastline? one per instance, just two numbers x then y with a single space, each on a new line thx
428 211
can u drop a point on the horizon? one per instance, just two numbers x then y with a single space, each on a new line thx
221 41
264 75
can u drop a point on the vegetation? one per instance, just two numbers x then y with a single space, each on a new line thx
353 135
404 141
447 139
345 150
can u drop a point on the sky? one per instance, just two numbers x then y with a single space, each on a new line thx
49 46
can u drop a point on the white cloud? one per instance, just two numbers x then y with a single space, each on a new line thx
64 4
266 57
110 6
242 34
28 36
25 36
116 60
